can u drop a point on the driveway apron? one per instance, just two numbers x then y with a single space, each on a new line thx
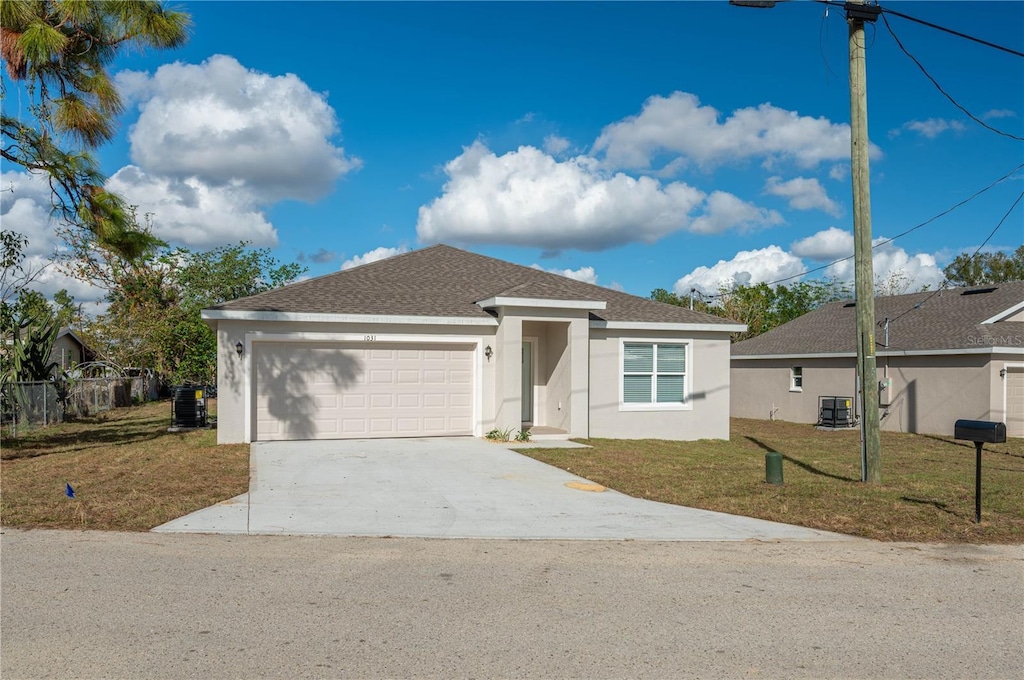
449 488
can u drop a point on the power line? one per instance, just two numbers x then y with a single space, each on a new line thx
945 282
951 209
823 37
940 89
900 235
886 10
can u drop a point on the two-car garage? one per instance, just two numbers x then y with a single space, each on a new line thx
328 390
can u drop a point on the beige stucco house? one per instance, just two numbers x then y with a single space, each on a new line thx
69 350
942 356
444 342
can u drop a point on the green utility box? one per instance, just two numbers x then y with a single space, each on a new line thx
773 467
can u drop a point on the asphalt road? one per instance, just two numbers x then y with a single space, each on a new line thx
90 604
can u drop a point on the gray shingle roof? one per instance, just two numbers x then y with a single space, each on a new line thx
444 281
947 320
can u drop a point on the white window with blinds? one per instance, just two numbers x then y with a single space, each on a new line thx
655 375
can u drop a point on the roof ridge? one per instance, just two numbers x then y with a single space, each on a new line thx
443 280
390 258
923 320
530 284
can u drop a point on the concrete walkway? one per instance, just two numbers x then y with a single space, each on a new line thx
449 488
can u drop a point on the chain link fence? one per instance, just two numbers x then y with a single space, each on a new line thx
39 404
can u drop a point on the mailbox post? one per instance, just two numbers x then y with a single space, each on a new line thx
980 432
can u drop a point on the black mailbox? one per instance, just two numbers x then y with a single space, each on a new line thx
980 432
984 431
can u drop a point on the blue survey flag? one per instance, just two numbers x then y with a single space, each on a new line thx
68 490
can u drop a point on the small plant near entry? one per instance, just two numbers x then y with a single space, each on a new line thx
523 436
497 435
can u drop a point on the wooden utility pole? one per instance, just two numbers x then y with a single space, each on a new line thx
864 279
857 12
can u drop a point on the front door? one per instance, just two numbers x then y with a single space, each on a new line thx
527 398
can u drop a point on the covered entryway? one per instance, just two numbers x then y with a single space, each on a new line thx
362 390
545 378
1014 400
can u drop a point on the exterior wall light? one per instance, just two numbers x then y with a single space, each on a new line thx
239 348
488 352
1002 372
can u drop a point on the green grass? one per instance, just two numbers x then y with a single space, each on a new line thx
927 490
128 472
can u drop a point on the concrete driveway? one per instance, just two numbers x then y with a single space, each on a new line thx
449 488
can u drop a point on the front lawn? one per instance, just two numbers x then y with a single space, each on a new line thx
130 473
127 471
927 490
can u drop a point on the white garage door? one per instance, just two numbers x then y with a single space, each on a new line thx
1015 401
351 391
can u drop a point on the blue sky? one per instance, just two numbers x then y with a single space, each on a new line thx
638 146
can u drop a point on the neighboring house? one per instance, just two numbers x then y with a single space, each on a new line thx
444 342
943 356
69 350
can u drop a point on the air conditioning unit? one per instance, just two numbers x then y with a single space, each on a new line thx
188 407
835 411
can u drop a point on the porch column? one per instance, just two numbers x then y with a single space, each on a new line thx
509 373
579 377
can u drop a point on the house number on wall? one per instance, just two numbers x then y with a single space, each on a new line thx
369 338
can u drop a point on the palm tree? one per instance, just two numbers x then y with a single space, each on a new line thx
58 51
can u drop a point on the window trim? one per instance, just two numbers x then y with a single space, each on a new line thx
793 387
687 404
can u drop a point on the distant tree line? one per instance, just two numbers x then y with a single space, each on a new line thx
762 307
981 269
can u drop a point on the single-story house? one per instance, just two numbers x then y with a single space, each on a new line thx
444 342
69 350
940 355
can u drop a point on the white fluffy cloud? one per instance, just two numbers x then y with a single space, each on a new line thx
227 125
623 189
526 197
193 212
25 209
839 172
215 144
373 256
930 128
803 193
748 267
825 246
724 211
584 274
51 280
888 260
554 145
679 124
891 263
